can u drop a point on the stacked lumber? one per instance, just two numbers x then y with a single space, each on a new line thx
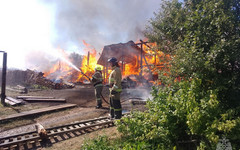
20 89
12 101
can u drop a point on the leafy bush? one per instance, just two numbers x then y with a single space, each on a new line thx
203 39
184 114
194 113
100 143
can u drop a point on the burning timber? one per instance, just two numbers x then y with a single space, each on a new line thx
138 59
32 78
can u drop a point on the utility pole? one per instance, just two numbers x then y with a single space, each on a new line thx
4 73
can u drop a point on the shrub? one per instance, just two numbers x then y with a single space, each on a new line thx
203 39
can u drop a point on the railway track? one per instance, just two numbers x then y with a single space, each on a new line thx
31 140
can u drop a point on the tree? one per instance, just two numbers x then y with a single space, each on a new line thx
203 39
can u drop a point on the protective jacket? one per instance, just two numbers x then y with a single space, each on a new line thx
97 83
115 79
97 79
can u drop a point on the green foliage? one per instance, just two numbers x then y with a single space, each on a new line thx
37 86
183 114
210 50
100 143
203 39
104 143
140 129
167 28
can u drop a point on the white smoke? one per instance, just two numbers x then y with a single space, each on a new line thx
101 22
139 93
30 26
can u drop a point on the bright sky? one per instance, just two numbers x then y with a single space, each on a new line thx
25 25
30 29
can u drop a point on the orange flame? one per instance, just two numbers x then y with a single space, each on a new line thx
64 71
59 66
155 60
89 62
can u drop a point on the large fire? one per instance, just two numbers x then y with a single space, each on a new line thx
89 62
151 61
62 70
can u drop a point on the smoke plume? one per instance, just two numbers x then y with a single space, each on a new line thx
101 22
30 26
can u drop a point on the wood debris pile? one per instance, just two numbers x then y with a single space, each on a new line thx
133 81
31 78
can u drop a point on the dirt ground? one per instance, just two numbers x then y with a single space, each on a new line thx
82 95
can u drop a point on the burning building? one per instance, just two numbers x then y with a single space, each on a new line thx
133 58
127 54
137 60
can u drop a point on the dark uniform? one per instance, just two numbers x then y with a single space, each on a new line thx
115 79
97 83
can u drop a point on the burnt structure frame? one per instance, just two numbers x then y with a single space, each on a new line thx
124 58
143 57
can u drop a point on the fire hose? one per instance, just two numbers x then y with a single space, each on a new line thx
104 99
85 75
91 82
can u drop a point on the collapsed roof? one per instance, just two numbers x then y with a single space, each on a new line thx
123 52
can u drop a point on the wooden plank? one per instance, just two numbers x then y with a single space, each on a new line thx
37 111
14 100
44 100
21 87
139 102
14 90
10 102
42 97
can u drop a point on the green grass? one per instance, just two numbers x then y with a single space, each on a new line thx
8 110
104 142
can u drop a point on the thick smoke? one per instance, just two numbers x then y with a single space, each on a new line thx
139 93
100 22
32 29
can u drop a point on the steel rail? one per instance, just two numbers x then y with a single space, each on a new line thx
23 138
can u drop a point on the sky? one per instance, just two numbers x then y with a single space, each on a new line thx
32 31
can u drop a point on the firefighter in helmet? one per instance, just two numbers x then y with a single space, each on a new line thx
115 79
97 83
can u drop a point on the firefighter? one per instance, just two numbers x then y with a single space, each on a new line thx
115 79
97 83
